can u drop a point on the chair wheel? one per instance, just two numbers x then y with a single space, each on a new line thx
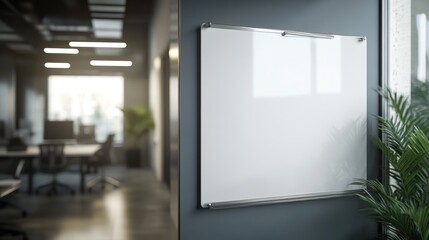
24 214
36 192
72 192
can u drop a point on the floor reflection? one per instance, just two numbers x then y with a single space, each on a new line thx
138 210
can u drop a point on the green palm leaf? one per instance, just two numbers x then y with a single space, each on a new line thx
403 206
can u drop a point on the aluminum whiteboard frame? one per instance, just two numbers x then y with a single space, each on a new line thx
284 33
276 200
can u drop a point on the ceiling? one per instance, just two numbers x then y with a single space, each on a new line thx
28 26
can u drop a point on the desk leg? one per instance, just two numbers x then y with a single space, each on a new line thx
30 175
82 174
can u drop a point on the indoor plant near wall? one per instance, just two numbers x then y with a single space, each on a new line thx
402 206
138 122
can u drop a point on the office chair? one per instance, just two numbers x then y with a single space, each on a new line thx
53 161
8 186
102 159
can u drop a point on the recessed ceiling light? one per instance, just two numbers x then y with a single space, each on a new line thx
61 50
98 44
57 65
109 63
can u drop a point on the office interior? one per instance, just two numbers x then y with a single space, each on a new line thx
159 196
54 94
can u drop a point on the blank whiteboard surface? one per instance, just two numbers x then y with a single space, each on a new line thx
281 117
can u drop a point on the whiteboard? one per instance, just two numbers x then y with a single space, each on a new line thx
282 117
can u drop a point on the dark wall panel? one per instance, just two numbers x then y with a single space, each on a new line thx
333 219
7 92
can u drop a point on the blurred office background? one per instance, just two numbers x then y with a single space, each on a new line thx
54 88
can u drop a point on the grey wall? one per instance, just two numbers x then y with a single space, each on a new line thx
338 218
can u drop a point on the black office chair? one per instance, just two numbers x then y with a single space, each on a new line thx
53 161
8 186
102 159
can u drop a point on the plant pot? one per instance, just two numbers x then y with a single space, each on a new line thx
133 158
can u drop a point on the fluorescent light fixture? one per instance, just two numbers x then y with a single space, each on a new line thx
57 65
109 63
61 50
98 44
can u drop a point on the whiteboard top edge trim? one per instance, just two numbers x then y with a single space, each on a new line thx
284 199
278 31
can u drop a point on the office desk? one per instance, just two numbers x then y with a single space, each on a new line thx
83 152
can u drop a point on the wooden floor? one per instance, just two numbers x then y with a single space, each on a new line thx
139 210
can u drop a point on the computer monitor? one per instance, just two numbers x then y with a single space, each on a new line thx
58 130
86 134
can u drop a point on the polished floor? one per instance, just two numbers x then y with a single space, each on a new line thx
139 210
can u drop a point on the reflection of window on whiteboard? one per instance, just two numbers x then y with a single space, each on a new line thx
88 100
309 66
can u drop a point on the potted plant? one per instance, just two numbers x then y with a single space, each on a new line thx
138 122
402 205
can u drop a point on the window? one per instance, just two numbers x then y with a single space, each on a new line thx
88 100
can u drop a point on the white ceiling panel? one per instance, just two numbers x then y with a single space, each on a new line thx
108 51
113 2
106 8
107 24
111 34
